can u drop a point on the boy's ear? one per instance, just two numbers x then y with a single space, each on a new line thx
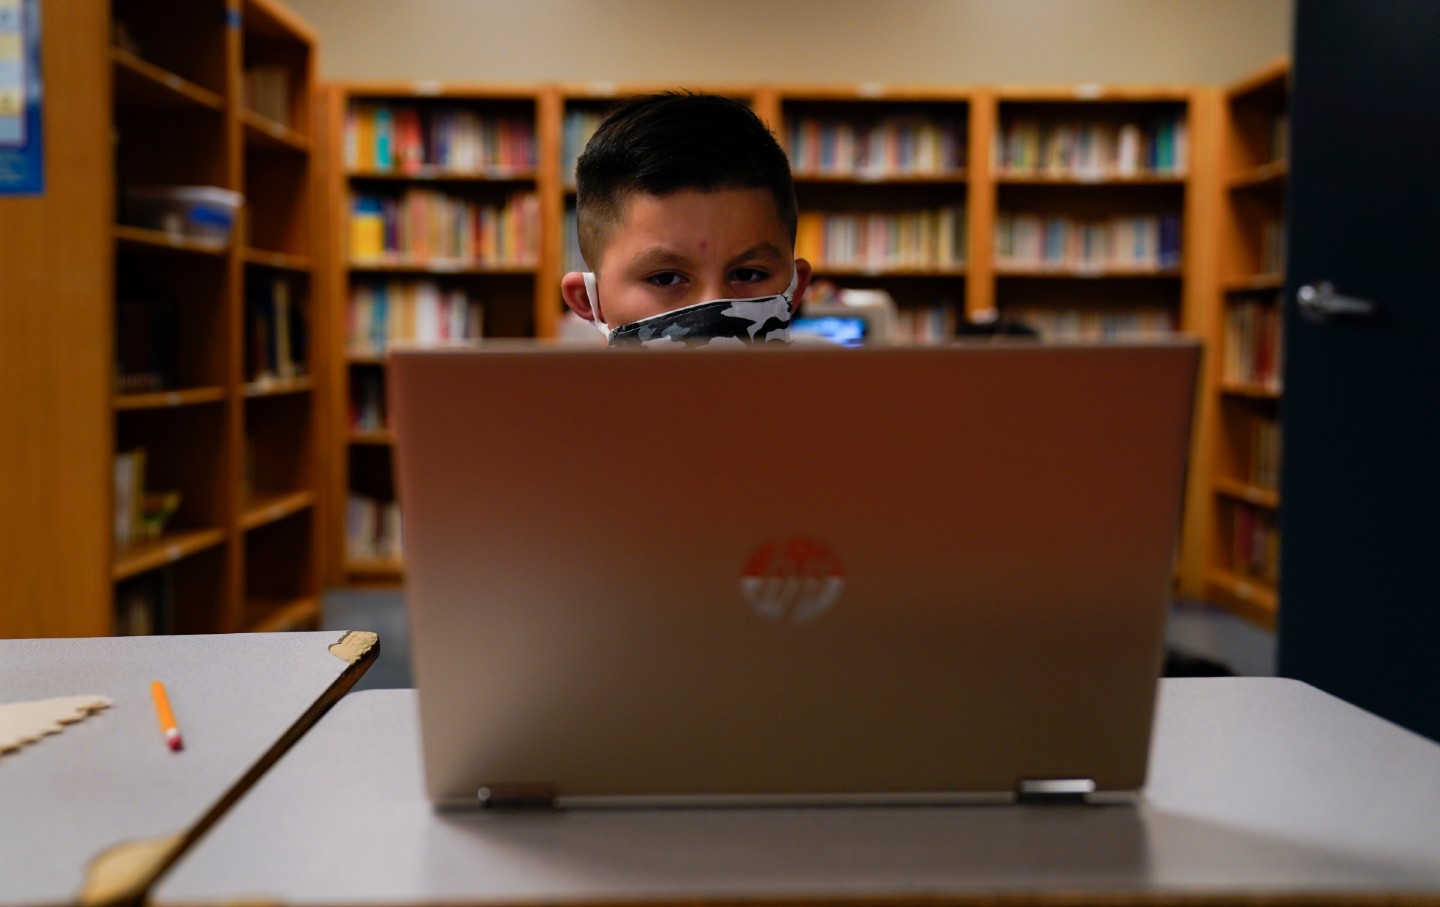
803 275
572 289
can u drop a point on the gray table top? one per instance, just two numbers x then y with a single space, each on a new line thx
94 813
1260 788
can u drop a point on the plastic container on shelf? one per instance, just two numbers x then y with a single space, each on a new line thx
195 212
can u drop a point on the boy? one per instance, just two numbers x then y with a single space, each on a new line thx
686 217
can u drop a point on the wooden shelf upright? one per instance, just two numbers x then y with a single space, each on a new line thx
160 328
1241 507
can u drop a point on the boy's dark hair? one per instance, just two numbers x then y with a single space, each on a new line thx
666 142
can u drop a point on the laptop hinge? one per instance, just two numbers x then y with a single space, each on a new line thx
1054 790
517 796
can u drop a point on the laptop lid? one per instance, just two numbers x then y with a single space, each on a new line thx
801 574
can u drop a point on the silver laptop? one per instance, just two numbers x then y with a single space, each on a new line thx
789 576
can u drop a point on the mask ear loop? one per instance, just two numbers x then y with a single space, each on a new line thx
789 293
592 293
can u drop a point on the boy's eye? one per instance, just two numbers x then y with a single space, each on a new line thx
665 279
748 275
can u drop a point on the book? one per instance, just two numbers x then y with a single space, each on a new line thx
580 125
129 491
933 323
427 227
382 311
265 89
1264 465
145 344
1061 242
1255 548
880 240
894 145
1082 149
1070 324
1254 342
373 529
436 138
144 604
367 402
275 331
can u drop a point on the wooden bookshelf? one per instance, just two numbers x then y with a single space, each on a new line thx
383 166
158 324
966 170
278 402
883 177
1240 512
1088 202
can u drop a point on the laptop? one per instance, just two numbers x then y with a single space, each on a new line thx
801 575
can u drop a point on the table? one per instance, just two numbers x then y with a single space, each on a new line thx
1260 789
94 813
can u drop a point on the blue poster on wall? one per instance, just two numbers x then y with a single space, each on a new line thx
22 153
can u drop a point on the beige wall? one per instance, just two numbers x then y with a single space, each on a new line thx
897 41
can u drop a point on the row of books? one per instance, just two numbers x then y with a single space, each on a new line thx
1264 465
275 332
367 401
881 240
1148 241
1093 150
145 604
1255 548
141 514
145 344
1272 247
385 137
1254 342
574 261
580 125
380 312
1142 323
265 89
1280 137
902 145
425 226
934 323
372 529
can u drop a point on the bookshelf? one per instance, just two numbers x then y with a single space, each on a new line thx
883 178
198 466
942 197
1090 209
439 232
1248 343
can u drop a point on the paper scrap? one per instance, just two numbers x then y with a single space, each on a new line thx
122 873
354 644
26 722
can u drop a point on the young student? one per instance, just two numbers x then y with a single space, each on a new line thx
686 215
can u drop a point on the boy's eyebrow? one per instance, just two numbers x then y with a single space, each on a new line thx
663 256
658 257
761 250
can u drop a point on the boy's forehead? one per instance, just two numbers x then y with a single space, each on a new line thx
687 216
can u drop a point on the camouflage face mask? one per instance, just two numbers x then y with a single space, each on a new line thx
717 321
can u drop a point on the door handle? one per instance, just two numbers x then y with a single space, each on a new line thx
1320 303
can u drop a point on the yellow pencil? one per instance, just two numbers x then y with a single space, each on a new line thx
168 727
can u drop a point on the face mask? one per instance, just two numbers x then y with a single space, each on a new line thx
717 321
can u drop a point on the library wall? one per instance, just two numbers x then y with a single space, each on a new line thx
800 41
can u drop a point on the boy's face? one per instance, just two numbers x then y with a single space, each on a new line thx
672 251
